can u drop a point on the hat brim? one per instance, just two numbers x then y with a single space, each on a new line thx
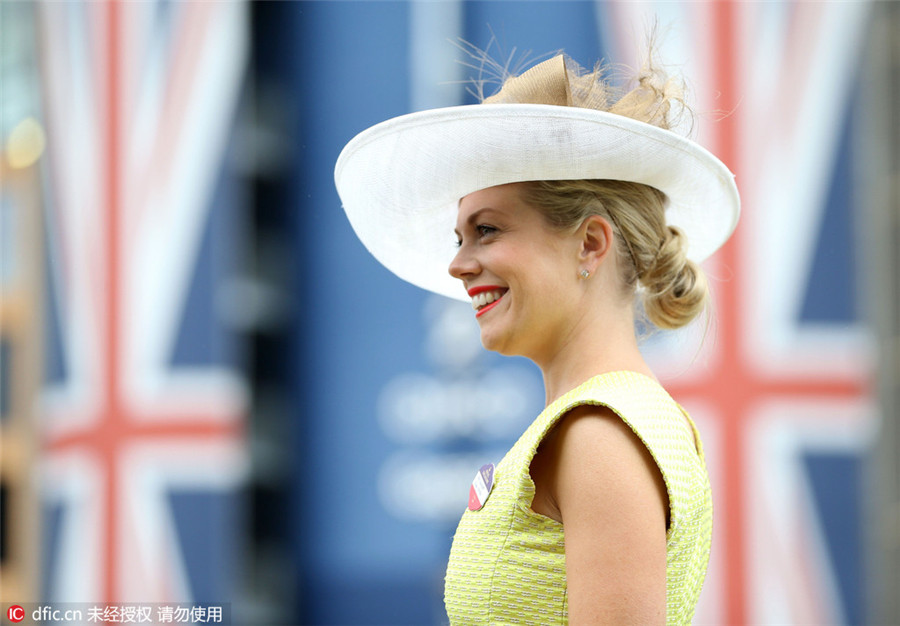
400 181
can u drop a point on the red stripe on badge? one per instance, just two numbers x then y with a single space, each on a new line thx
481 487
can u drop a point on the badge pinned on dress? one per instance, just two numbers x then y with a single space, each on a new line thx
481 487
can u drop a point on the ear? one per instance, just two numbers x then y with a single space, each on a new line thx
596 241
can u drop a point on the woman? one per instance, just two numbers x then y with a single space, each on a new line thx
570 213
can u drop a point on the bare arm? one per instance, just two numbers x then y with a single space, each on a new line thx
594 475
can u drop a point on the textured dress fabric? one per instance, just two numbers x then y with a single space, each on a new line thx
507 563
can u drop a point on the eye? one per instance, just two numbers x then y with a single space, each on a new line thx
485 231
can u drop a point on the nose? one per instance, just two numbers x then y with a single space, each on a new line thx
464 265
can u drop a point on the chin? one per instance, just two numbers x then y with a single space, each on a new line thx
490 342
500 336
500 345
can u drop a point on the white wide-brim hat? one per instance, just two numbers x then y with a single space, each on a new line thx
401 181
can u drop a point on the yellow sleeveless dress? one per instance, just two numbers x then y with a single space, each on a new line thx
507 563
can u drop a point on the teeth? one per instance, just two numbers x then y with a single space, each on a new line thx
485 298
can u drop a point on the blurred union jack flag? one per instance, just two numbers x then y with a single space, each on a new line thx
782 389
143 408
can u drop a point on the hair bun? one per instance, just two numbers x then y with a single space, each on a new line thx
675 287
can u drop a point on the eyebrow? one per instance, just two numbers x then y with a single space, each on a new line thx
473 217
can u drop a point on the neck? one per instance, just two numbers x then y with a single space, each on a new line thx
595 347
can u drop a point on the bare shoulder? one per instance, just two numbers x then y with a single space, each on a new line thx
595 475
596 435
591 451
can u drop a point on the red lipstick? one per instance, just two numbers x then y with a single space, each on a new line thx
487 308
474 291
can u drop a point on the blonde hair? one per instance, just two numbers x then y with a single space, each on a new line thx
651 254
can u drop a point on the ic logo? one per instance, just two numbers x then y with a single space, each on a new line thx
15 613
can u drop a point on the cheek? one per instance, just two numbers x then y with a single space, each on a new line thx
547 266
540 288
536 269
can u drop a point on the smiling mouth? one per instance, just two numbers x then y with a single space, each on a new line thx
486 300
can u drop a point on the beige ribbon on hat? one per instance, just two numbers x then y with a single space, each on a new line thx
561 82
545 83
